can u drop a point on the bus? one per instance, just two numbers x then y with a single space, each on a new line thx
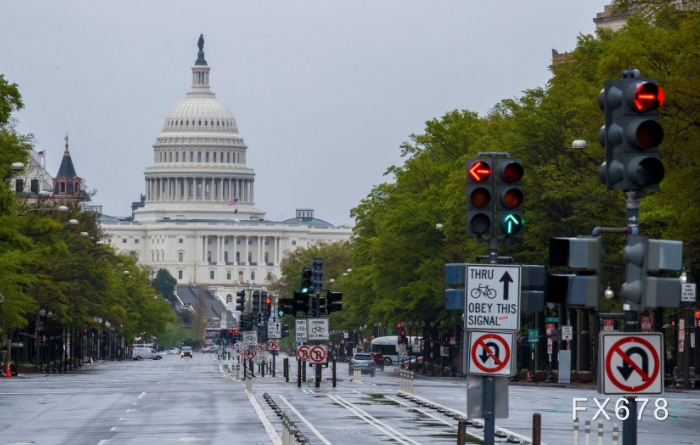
387 347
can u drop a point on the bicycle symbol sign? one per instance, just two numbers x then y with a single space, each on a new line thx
493 297
318 329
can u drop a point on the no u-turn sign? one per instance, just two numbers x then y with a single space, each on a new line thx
631 363
491 353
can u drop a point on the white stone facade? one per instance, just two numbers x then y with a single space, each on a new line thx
199 219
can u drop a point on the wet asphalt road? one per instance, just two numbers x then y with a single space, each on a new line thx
191 400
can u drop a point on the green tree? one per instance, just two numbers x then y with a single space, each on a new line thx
165 284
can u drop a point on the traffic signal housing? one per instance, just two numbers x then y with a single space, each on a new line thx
697 319
643 256
306 280
256 302
632 133
240 300
334 302
267 300
509 206
285 306
585 256
402 334
317 275
480 194
285 331
673 320
301 303
260 318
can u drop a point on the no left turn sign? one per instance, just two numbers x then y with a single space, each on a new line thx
632 363
250 353
491 353
273 345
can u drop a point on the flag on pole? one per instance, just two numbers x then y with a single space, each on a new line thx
41 154
233 202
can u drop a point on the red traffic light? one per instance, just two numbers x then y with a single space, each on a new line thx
480 171
268 301
512 172
513 198
235 331
648 96
480 197
398 325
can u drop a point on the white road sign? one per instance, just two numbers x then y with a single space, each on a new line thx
318 329
274 329
567 333
688 292
493 297
249 338
318 354
631 363
301 331
273 345
491 353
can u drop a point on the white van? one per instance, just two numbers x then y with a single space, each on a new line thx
142 352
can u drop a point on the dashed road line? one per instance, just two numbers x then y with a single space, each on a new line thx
298 414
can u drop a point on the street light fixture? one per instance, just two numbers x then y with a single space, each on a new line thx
609 294
684 277
17 166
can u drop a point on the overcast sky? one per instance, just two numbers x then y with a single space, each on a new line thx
324 91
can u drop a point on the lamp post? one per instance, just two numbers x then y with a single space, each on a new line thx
37 338
687 323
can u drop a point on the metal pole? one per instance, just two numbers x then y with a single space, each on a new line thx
334 372
299 368
461 432
686 346
274 364
489 410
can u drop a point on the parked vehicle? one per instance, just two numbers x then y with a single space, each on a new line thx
210 348
141 353
173 351
365 361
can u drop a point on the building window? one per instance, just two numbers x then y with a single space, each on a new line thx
294 243
179 274
269 275
191 156
184 156
226 257
209 257
136 241
123 240
250 241
180 256
35 186
266 257
208 240
225 240
214 154
252 275
180 241
267 241
206 155
228 157
19 185
170 156
211 274
240 275
228 277
238 241
250 257
199 156
136 256
229 297
177 156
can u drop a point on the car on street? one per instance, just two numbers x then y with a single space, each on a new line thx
209 348
365 361
378 360
173 351
186 351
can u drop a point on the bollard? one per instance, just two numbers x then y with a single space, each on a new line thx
575 431
462 432
285 363
587 432
334 366
410 391
262 369
298 373
616 432
600 433
536 429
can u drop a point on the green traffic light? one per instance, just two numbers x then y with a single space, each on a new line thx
512 224
280 313
304 290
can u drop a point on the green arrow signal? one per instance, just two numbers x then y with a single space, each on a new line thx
512 223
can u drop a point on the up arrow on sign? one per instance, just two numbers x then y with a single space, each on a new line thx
505 279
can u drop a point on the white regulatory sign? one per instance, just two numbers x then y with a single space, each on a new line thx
249 338
493 297
491 354
567 333
274 329
318 329
688 292
631 363
301 331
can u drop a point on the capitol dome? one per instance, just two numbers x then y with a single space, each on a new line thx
196 113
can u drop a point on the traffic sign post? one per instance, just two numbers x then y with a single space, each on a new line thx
492 354
493 297
631 363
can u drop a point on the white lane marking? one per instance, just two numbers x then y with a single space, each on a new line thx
128 410
425 412
114 428
356 391
315 431
142 394
272 434
122 418
134 403
102 442
386 429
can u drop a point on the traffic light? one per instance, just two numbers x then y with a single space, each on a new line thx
632 133
585 256
334 301
322 305
509 210
240 300
301 303
643 256
697 319
285 331
306 280
260 318
402 334
256 302
230 334
267 309
317 275
479 197
285 306
673 319
244 322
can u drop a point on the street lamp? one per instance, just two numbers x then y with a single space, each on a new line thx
684 277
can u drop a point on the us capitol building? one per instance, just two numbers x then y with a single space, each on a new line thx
198 217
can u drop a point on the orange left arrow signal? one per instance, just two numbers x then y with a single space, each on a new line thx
480 171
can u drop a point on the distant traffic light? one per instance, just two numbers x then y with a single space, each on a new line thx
697 319
230 334
632 133
306 280
509 210
317 275
285 306
256 302
260 319
673 319
334 301
285 331
267 300
643 256
479 197
301 303
402 334
240 300
585 256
